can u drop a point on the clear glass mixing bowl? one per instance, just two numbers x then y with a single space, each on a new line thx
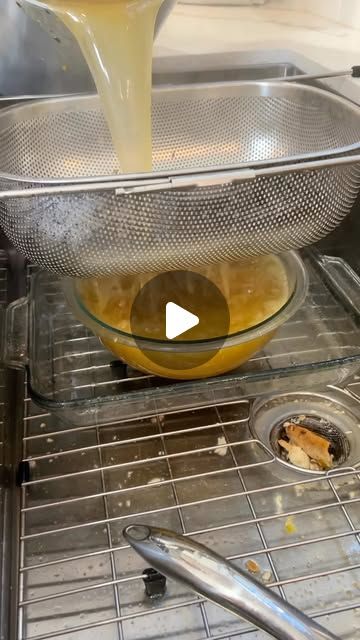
184 359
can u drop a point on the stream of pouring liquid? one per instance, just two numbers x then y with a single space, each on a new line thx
116 38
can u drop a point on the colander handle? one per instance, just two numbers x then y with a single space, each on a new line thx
131 185
354 72
14 330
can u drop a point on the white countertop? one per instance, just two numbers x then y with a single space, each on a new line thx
313 42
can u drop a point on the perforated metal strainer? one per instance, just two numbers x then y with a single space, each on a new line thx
240 169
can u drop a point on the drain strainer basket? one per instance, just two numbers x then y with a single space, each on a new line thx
335 416
240 169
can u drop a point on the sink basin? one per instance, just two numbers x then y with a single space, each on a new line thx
195 466
242 72
202 471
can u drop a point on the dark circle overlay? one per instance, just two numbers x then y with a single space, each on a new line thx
193 292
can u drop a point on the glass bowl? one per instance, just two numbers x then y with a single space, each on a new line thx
192 359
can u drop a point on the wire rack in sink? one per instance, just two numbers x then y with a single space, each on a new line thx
199 471
202 473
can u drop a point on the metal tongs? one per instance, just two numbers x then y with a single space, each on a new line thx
212 576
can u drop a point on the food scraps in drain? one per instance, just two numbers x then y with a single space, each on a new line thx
306 449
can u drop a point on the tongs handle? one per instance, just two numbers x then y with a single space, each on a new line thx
212 576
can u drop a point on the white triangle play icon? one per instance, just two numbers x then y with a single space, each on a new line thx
178 320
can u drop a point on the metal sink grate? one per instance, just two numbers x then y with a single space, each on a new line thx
202 473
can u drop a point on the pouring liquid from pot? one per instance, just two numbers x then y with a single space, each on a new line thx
116 38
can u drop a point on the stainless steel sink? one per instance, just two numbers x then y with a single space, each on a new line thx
67 492
201 472
241 72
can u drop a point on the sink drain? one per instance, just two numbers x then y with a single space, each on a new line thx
334 416
339 444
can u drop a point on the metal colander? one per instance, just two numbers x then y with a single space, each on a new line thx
240 169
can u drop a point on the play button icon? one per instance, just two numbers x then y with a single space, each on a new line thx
178 320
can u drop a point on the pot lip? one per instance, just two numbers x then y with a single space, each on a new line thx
295 268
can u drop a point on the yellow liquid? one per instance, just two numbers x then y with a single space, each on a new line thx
254 292
116 38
